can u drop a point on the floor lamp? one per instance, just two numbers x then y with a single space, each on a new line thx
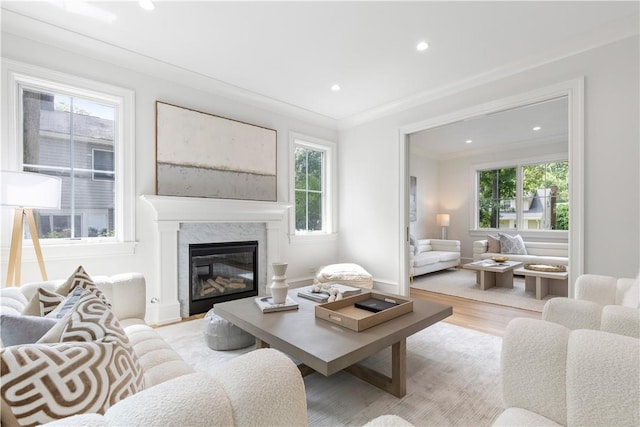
26 191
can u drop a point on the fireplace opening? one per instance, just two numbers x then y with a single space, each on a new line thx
221 272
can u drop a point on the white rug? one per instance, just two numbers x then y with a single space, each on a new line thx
462 283
453 378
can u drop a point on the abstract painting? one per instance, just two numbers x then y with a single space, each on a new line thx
204 155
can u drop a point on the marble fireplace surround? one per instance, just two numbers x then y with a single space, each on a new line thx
214 218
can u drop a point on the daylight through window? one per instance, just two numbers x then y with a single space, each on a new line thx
73 137
526 197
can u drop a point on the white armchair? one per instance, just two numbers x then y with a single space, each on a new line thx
602 302
555 376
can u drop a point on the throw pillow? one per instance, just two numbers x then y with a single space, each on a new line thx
92 368
80 278
45 382
493 244
42 303
16 329
512 244
66 304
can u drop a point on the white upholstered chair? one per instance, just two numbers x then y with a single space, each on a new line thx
601 302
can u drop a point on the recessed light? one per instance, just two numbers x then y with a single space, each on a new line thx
422 46
536 128
146 4
335 88
468 141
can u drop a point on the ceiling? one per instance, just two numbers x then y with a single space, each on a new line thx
513 126
293 52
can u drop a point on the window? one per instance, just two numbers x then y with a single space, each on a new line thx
526 197
81 131
312 186
103 161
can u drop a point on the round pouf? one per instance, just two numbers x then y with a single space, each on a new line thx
220 334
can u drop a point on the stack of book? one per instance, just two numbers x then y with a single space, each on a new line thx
267 305
323 295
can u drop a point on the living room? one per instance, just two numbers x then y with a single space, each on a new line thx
370 208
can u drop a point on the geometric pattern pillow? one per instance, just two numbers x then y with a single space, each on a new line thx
512 244
45 382
42 303
80 278
92 368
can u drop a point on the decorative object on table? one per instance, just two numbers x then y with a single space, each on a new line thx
27 191
328 292
220 334
279 286
266 304
203 155
443 222
500 258
546 267
344 312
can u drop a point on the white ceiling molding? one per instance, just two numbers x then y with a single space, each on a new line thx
41 32
617 31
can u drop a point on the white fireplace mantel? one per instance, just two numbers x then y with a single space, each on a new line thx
170 211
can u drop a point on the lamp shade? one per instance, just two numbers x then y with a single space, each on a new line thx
29 190
442 220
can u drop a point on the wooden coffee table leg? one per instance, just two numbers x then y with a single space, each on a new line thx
397 384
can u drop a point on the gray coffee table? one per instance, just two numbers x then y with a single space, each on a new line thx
490 273
324 347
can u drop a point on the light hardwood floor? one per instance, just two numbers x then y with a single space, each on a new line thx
481 316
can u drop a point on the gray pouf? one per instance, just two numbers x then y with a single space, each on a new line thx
220 334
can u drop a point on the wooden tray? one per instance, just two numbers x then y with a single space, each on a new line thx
344 313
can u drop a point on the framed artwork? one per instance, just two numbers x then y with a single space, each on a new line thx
203 155
413 202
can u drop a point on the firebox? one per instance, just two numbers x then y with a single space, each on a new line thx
221 272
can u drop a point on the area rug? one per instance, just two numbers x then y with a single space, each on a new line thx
462 283
453 378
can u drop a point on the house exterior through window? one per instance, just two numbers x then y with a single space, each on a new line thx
82 132
525 197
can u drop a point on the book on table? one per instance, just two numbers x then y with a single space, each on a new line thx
266 304
323 295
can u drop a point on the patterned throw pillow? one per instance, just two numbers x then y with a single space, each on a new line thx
92 368
512 244
80 278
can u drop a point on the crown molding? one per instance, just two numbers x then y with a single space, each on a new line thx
38 31
616 31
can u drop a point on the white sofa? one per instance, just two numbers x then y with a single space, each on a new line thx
263 387
555 376
537 253
429 255
602 302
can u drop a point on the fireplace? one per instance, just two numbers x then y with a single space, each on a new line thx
221 272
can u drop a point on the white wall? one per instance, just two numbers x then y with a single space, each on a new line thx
302 258
370 229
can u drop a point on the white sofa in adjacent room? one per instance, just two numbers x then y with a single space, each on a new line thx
428 255
537 253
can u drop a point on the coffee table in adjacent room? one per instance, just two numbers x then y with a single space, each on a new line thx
545 282
324 347
490 273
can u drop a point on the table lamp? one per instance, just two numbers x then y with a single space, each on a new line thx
443 222
26 191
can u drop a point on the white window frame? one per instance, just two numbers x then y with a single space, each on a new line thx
560 235
329 214
16 74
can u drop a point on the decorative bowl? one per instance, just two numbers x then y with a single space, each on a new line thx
500 258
